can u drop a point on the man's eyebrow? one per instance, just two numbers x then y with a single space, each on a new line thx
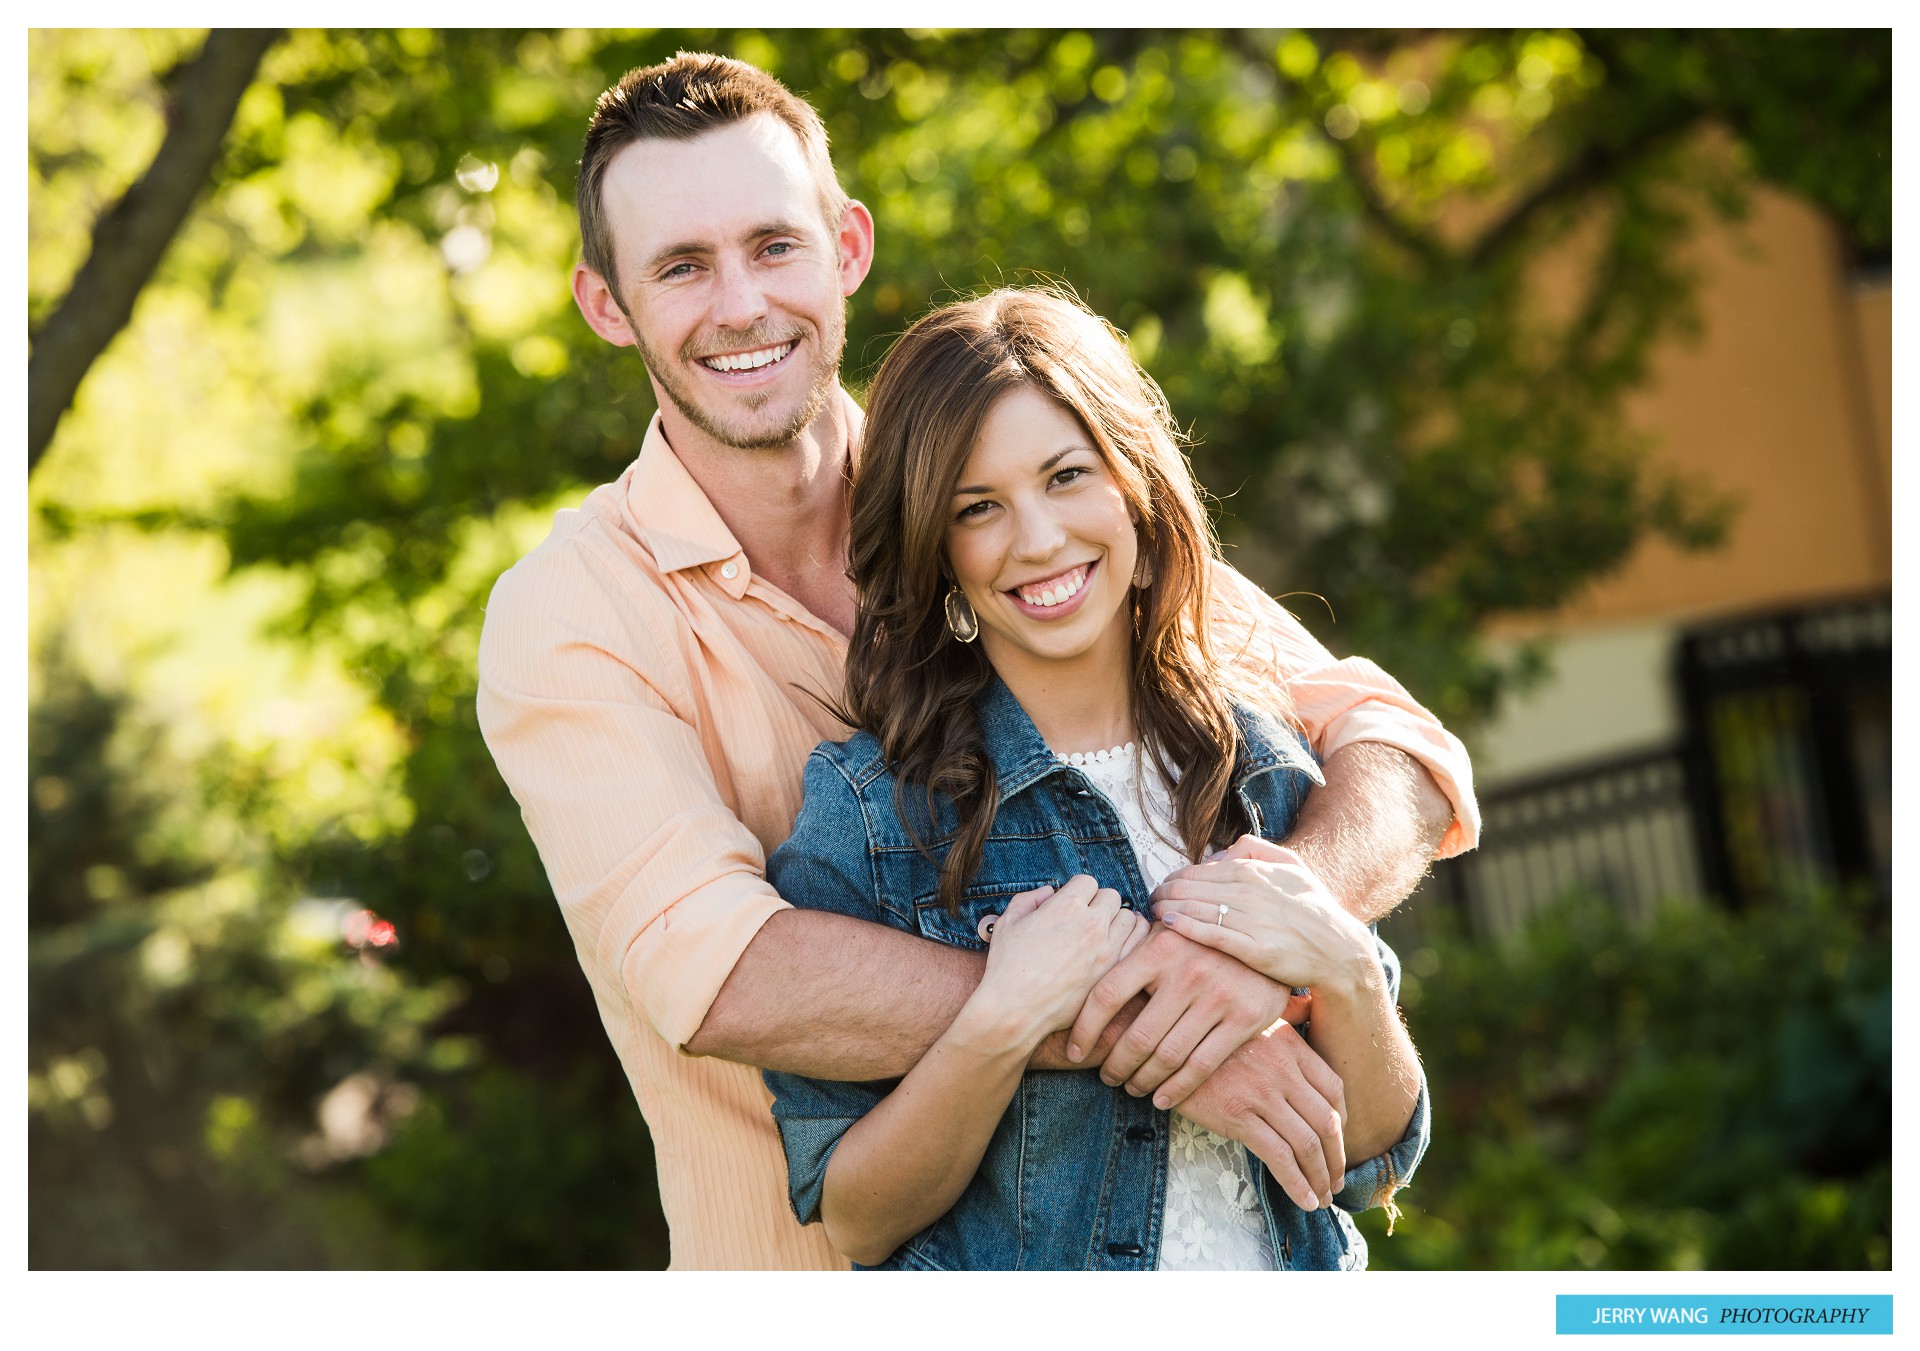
679 250
775 227
700 248
976 489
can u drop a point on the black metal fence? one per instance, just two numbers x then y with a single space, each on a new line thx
1622 829
1789 739
1781 780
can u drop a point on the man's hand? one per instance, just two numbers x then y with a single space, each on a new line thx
1203 1007
1277 1097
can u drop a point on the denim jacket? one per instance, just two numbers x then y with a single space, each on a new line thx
1075 1175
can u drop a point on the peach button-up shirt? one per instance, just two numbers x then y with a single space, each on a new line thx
642 693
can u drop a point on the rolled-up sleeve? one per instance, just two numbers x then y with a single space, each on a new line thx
1341 702
825 864
1372 1182
661 885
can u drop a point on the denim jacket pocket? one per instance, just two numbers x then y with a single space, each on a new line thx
935 921
911 1257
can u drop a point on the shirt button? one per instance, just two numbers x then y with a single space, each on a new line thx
1124 1250
729 570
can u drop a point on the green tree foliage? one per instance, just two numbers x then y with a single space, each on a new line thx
1709 1091
356 388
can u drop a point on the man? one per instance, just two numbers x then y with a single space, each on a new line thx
647 682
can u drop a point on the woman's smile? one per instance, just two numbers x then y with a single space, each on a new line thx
1055 597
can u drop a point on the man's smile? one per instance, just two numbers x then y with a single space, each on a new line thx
756 359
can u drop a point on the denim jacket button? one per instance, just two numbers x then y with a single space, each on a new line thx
1140 1133
1124 1250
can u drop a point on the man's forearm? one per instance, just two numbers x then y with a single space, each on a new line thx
1371 831
832 997
837 998
1358 1032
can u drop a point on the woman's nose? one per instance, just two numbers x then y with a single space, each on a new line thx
1037 535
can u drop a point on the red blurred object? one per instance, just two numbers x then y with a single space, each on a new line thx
364 929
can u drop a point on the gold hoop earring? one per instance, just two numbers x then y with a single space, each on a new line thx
962 623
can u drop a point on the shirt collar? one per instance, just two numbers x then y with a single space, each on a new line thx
1021 757
676 519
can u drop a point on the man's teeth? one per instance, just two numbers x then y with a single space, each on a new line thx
1057 592
748 361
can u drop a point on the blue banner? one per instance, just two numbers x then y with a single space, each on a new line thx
1666 1315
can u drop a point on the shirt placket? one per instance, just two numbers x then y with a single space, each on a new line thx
1135 1201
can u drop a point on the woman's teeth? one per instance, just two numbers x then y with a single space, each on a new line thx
1057 592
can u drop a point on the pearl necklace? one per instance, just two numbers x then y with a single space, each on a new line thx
1094 757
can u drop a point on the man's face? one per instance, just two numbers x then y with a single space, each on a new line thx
732 282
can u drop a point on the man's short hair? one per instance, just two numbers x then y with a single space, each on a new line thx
678 100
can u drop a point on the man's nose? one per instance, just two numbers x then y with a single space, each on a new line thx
741 302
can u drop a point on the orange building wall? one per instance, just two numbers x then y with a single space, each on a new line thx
1786 400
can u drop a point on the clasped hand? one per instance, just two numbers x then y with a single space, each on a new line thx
1198 1042
1049 947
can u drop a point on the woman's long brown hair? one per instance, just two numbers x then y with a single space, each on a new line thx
909 682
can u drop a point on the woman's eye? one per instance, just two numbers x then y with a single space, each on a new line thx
1069 474
972 511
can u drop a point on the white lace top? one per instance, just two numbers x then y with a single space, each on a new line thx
1213 1220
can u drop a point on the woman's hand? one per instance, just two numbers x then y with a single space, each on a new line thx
1048 949
1273 913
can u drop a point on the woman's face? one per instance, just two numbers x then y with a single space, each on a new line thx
1040 540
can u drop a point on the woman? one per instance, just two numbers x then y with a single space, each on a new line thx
1040 706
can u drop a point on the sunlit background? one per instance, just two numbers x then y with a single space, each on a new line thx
1550 369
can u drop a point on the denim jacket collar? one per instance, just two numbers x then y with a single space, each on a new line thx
1021 757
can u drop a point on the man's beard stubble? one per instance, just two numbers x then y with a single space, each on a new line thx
825 379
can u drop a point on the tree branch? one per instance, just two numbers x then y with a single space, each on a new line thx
1408 237
131 238
1591 167
1417 242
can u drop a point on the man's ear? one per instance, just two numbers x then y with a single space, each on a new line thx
598 306
856 247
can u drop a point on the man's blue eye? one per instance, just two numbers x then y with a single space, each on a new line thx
678 270
780 248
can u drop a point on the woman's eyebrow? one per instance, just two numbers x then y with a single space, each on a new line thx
976 489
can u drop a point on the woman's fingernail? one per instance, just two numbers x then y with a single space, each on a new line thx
1074 1052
